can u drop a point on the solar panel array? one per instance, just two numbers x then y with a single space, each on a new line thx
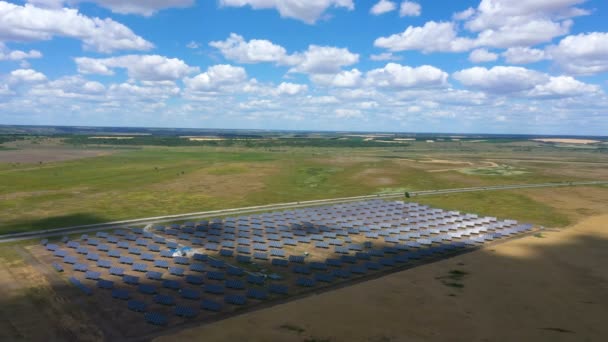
162 272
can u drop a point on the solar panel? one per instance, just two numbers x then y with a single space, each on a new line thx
137 305
348 259
243 250
93 256
193 279
260 256
211 305
301 269
243 259
216 275
121 294
217 263
190 294
146 289
318 266
134 251
105 284
280 262
235 271
121 244
257 294
296 258
114 253
163 299
60 253
166 254
68 259
226 252
324 277
161 263
57 267
156 318
172 244
255 279
185 311
171 284
235 299
129 279
305 282
117 271
92 275
278 289
140 267
177 271
181 260
154 275
234 284
214 289
199 257
334 262
125 260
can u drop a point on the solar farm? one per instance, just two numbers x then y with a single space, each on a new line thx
167 275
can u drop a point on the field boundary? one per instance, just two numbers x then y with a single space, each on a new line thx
268 207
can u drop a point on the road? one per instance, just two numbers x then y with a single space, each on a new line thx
270 207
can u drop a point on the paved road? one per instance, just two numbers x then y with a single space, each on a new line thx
281 206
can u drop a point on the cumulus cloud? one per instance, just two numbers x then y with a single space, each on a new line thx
323 60
383 6
344 113
217 77
17 55
235 48
563 86
582 54
500 79
30 23
482 56
141 7
385 56
432 37
139 67
410 9
26 76
307 11
343 79
523 55
286 88
397 76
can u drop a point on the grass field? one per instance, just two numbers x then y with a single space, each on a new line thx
91 184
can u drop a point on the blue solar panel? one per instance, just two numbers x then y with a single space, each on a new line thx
147 257
217 263
57 267
181 260
193 279
140 267
164 299
243 259
177 271
171 284
234 284
324 277
387 262
146 289
122 244
60 253
278 289
358 270
334 262
341 250
257 294
73 244
214 289
318 266
161 263
125 260
185 311
156 318
226 252
260 256
301 269
117 271
82 250
243 250
296 258
103 248
114 253
105 284
129 279
200 257
68 259
216 275
92 275
362 256
211 246
166 253
121 294
211 305
137 306
93 256
348 259
141 242
341 273
235 271
254 279
134 251
154 275
172 244
322 244
235 299
305 282
290 242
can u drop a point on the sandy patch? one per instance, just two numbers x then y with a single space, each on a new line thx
551 288
112 137
568 141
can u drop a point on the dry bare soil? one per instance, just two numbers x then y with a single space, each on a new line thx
548 287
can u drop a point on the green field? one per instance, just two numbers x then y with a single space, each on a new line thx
123 182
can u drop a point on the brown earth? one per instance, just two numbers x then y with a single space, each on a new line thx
548 287
48 155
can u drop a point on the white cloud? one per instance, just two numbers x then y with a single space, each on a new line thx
235 48
30 23
500 79
431 37
383 6
217 77
308 11
397 76
26 76
17 55
344 113
193 45
523 33
582 54
385 56
343 79
323 60
482 56
563 86
464 15
140 67
523 55
410 9
141 7
291 89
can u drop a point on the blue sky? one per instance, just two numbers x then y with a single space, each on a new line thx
495 66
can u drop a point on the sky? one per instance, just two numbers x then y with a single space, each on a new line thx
489 66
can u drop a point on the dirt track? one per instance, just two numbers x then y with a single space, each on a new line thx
548 288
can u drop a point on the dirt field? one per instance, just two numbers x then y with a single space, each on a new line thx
49 155
548 287
568 141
